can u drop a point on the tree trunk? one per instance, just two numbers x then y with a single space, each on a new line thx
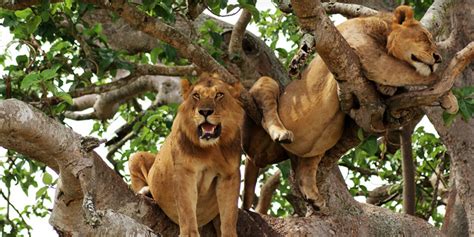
459 137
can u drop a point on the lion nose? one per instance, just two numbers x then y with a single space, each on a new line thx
437 58
206 112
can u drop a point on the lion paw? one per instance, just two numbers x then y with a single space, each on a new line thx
144 191
449 103
280 135
386 90
316 207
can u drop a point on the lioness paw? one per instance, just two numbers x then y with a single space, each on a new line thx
280 135
450 103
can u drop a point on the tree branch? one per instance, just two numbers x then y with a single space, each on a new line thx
347 9
398 103
235 44
140 70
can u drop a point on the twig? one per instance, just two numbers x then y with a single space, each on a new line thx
434 200
77 116
9 204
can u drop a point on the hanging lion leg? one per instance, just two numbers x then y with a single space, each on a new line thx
250 180
305 173
265 92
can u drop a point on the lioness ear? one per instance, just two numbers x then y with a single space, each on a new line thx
185 88
235 89
403 15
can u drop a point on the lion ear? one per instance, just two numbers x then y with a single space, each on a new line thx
185 88
403 15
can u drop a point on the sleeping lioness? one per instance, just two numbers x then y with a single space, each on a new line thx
195 176
394 49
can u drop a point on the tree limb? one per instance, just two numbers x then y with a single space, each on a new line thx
140 70
347 9
236 38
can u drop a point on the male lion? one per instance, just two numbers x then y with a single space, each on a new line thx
308 112
195 176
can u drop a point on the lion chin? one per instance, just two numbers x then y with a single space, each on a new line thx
209 133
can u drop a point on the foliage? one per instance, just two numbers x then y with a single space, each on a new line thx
20 173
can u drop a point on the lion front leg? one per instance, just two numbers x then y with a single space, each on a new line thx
227 192
265 92
305 173
185 184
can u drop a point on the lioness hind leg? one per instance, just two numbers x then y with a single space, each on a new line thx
305 172
265 92
139 165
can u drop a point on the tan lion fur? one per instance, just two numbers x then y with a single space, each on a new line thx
390 47
193 179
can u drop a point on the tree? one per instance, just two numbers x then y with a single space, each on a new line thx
91 42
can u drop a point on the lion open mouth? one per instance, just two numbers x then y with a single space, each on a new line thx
209 131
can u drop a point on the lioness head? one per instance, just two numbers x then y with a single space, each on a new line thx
213 112
411 42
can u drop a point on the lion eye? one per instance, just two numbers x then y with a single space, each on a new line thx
219 95
196 96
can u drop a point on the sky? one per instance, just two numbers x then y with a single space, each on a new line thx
41 227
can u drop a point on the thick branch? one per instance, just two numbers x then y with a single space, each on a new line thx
106 104
348 10
140 70
436 16
235 44
432 94
160 30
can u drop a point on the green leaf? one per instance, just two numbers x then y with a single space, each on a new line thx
59 45
41 191
33 24
47 179
448 118
29 80
154 55
65 96
360 134
23 14
68 4
48 74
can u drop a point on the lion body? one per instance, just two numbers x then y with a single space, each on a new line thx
193 179
389 46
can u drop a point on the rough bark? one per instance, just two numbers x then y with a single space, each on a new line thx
458 137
